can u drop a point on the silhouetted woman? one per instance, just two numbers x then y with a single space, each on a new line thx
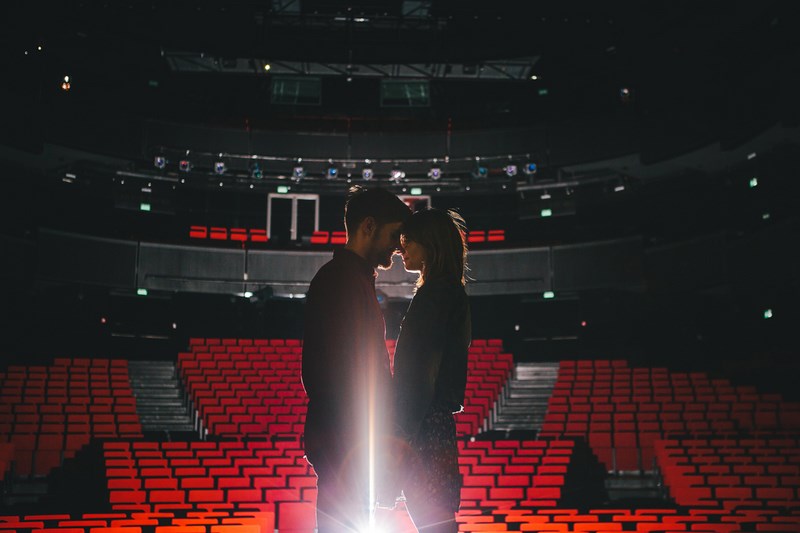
430 367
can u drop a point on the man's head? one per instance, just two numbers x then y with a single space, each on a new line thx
373 219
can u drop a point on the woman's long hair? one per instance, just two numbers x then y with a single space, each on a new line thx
442 234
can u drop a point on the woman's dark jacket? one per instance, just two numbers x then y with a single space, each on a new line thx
430 362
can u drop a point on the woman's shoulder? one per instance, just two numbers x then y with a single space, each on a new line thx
441 288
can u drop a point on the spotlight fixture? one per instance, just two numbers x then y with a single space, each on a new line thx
435 173
255 171
219 167
511 170
160 162
366 172
185 165
530 168
332 173
298 172
65 85
396 175
480 172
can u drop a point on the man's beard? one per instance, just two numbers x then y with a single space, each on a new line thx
385 262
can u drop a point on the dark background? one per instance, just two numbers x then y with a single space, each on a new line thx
697 74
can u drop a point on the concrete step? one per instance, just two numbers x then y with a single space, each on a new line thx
172 428
524 401
147 408
168 421
633 486
158 393
159 397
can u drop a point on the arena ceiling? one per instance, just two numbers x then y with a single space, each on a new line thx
122 55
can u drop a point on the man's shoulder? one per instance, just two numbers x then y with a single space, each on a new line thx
335 272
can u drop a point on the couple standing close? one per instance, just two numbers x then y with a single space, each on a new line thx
370 434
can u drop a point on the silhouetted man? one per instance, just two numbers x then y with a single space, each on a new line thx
346 371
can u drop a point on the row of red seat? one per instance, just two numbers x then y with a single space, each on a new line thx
707 472
298 517
160 522
329 237
231 341
640 520
218 233
620 379
473 236
47 413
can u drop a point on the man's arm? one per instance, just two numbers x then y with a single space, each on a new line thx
329 339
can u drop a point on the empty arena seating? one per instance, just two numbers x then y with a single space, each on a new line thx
488 370
756 471
474 236
211 475
218 233
265 475
492 235
329 237
728 457
243 387
250 387
623 410
49 412
507 474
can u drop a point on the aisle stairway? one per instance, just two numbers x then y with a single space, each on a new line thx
523 404
160 400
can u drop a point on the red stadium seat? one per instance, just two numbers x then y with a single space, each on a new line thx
198 232
496 235
218 233
320 237
238 234
258 235
338 237
476 236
